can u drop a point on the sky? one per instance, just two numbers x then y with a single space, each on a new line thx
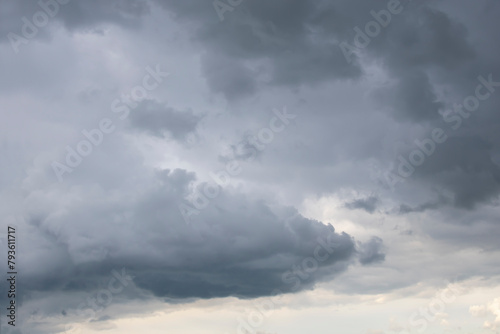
250 166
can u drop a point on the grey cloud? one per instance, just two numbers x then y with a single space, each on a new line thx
443 200
424 37
423 48
464 167
427 39
75 15
242 151
372 251
413 98
368 204
84 14
418 50
102 318
160 120
229 77
112 212
238 247
432 48
294 49
405 208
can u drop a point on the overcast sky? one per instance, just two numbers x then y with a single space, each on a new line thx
251 166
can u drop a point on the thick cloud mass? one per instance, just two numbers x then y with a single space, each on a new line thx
74 15
239 247
264 143
302 47
295 41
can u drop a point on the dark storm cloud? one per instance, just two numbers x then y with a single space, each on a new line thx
424 40
464 166
161 120
414 98
431 48
113 212
424 37
73 14
229 77
294 42
368 204
404 208
238 247
421 47
125 13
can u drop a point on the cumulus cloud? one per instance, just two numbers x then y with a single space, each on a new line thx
239 247
482 311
